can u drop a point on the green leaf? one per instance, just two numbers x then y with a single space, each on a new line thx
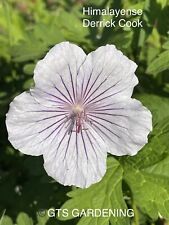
11 23
150 190
160 168
36 43
159 106
72 28
28 84
51 31
24 219
159 64
6 220
163 3
28 68
29 49
42 220
106 194
155 151
147 173
166 45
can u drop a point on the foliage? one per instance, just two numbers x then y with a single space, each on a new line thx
109 195
27 30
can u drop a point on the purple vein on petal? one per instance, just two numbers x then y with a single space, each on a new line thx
113 94
59 126
56 96
86 100
98 129
66 88
61 141
44 110
110 114
70 135
76 146
108 121
92 147
62 95
71 78
52 125
84 146
50 117
105 109
82 85
100 124
86 94
91 143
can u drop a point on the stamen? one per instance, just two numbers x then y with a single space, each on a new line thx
77 109
77 118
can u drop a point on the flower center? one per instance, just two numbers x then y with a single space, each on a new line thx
77 119
77 109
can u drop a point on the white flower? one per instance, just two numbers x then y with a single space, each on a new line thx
79 110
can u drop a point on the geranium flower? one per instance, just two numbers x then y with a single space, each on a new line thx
79 110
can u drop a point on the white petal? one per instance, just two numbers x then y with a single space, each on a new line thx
50 97
32 126
78 159
106 72
124 125
59 69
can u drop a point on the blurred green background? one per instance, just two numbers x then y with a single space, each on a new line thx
28 29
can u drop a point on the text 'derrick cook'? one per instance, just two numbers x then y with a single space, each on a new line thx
122 22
